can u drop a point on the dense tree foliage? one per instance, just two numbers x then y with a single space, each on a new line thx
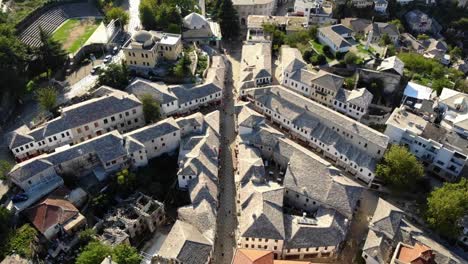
182 67
228 19
5 167
351 58
5 228
13 64
446 206
115 76
400 169
47 98
429 71
117 13
93 253
50 54
22 241
151 108
126 254
295 40
385 40
164 15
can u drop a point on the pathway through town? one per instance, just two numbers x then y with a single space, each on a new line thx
227 219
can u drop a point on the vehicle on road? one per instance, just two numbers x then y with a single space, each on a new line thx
96 69
108 59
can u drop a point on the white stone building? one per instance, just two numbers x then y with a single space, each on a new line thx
255 65
116 110
338 37
246 8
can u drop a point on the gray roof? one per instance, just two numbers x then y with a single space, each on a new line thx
292 105
328 80
79 114
380 28
328 233
356 24
386 219
29 168
303 76
194 253
262 211
186 94
17 138
335 32
313 177
91 110
107 147
159 91
153 131
180 234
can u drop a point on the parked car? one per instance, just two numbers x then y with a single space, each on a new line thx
20 198
96 69
108 59
115 50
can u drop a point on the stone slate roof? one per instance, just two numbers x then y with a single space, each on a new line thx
151 132
180 234
77 115
158 90
303 76
360 97
292 105
330 231
186 94
30 167
386 219
193 252
328 80
262 212
19 137
311 176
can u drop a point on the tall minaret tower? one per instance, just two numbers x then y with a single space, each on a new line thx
201 3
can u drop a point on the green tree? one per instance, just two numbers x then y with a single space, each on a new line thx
228 19
328 52
349 82
22 241
5 229
398 24
351 58
446 206
456 53
126 178
117 13
423 37
182 67
160 15
385 40
86 235
47 98
400 169
151 108
13 64
93 253
50 53
115 75
126 254
5 168
391 50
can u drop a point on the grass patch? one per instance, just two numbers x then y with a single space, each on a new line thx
75 32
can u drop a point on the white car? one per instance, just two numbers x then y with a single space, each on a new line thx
108 59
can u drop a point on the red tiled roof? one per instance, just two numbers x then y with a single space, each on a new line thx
253 256
50 212
418 254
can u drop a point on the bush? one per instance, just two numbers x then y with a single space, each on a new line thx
328 52
318 59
